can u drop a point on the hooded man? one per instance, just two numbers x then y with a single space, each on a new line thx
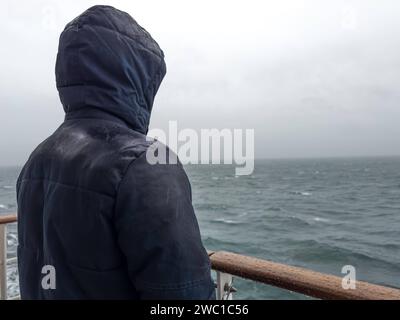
96 219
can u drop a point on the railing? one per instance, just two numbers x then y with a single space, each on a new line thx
4 220
227 265
307 282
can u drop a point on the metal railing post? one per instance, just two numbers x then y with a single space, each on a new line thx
224 286
3 262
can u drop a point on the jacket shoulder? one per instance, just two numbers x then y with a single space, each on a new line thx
92 155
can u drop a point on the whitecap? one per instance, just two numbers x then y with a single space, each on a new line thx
317 219
3 206
304 193
227 221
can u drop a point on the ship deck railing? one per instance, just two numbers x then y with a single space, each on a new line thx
228 265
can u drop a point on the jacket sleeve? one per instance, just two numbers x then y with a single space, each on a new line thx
159 234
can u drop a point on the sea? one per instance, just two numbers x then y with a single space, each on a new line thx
321 214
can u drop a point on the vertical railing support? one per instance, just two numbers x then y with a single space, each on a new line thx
224 286
3 262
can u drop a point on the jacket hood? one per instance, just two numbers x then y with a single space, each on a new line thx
106 60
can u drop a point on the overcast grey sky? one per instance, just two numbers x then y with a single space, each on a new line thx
314 78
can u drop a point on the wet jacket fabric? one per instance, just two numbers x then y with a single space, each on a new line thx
96 219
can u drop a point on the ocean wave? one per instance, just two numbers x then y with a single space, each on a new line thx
274 209
12 280
336 212
368 242
220 244
297 220
301 193
215 206
315 251
227 221
318 219
12 239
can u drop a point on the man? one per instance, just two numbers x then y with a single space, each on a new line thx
96 219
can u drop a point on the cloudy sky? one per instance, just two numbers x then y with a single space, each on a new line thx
314 78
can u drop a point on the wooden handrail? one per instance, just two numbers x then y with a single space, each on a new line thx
307 282
8 218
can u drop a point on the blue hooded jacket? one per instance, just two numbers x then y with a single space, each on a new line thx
92 210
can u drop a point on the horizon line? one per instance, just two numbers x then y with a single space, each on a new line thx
279 158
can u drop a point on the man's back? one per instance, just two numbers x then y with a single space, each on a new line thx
91 208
